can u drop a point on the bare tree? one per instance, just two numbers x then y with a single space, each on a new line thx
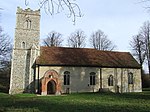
100 41
138 48
5 50
56 6
145 33
77 39
53 39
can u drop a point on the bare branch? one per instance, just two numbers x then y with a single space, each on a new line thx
53 39
138 48
56 6
100 41
26 2
5 49
145 33
77 39
146 4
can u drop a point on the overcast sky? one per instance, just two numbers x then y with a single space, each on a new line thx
119 19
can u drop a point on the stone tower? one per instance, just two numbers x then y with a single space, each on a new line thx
25 51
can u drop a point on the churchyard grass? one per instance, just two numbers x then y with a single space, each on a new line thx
77 102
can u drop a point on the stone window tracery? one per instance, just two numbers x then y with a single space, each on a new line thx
66 78
28 23
110 80
130 78
92 78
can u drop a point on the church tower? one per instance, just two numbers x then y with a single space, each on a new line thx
25 51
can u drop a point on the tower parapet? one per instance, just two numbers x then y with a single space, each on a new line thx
28 11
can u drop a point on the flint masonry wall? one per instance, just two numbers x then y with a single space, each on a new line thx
25 50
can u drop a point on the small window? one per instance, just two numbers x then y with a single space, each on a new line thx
110 80
23 45
28 24
50 76
92 78
66 78
130 78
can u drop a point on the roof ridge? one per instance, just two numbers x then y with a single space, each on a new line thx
85 49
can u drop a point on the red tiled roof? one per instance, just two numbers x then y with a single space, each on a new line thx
62 56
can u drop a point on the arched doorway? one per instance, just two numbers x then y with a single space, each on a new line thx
50 83
51 87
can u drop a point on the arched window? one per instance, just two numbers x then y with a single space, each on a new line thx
92 78
110 80
23 45
50 76
28 24
66 78
130 78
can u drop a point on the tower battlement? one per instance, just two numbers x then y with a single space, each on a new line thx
28 11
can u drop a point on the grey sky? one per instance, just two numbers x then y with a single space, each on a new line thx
119 19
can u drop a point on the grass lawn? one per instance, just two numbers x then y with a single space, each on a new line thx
81 102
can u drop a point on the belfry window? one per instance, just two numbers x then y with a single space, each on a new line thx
28 24
110 80
130 78
66 78
23 45
92 78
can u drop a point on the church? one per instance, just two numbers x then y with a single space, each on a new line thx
57 70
